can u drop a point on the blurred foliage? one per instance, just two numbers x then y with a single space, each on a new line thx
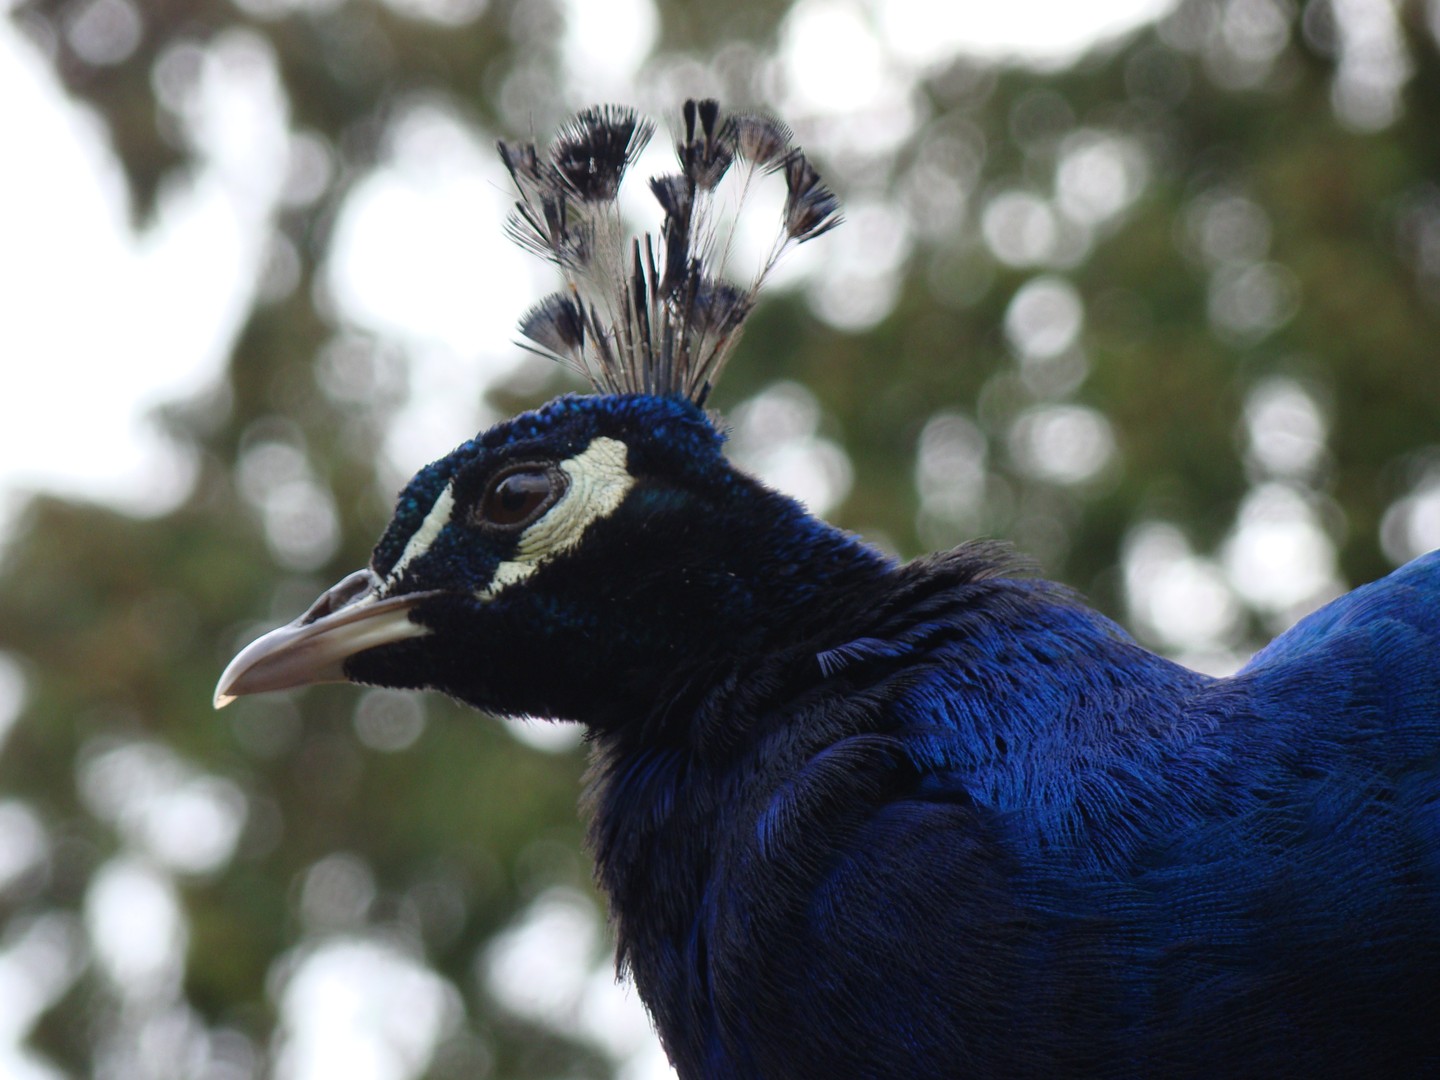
120 626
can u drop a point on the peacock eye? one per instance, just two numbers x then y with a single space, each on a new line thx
520 495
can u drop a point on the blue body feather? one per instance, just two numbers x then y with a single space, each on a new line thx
986 833
863 819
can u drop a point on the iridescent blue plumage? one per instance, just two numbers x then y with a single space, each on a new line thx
862 819
1000 839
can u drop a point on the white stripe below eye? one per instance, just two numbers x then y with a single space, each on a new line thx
599 482
424 536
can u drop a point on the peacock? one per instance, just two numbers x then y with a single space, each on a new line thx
857 817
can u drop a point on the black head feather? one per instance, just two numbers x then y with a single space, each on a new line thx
594 149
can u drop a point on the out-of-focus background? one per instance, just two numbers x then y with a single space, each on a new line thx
1150 287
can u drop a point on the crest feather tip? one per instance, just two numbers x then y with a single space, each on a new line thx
652 314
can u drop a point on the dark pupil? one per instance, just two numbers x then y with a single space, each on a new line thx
516 497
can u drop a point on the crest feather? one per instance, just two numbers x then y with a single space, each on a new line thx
652 314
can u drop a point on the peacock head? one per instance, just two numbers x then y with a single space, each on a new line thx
581 561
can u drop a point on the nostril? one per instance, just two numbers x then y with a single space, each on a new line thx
343 593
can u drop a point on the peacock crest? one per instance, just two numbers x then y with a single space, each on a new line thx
648 314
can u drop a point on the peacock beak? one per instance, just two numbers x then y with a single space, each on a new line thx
349 618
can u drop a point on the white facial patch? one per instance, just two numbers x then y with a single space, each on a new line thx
599 482
421 539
